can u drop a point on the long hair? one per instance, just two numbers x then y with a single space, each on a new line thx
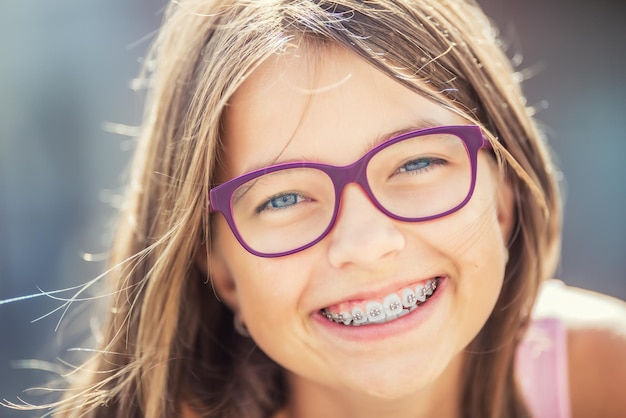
168 340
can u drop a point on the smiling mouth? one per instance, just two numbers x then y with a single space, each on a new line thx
392 306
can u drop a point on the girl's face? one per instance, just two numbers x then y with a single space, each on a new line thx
331 107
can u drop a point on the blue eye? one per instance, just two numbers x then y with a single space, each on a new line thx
281 201
415 165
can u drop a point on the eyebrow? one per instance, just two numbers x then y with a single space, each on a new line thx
421 124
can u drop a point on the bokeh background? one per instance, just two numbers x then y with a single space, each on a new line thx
66 67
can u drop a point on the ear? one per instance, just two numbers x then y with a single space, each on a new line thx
215 268
505 206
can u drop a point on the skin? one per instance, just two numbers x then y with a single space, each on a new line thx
301 105
596 341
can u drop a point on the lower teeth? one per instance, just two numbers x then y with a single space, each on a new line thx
376 315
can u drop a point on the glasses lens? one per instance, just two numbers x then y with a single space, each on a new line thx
283 210
422 176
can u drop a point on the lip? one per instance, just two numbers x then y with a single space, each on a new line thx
374 332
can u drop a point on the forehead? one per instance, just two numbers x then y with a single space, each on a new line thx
323 105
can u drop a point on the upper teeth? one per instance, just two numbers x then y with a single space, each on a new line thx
392 307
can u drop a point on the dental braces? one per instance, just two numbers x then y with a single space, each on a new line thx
376 312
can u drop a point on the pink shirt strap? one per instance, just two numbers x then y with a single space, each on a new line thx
541 369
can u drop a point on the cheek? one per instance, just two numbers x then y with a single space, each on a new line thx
271 294
479 232
480 240
265 288
471 236
480 255
471 240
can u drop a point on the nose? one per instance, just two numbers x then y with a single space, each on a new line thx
362 234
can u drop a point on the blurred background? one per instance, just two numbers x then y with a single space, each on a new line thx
66 67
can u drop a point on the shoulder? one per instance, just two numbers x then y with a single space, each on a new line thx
596 340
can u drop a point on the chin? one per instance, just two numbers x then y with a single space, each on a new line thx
385 386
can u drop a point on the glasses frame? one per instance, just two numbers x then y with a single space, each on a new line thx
220 197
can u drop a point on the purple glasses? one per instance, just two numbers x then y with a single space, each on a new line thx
417 176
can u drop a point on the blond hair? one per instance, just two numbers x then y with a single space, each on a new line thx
168 339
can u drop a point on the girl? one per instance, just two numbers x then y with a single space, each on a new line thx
342 209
